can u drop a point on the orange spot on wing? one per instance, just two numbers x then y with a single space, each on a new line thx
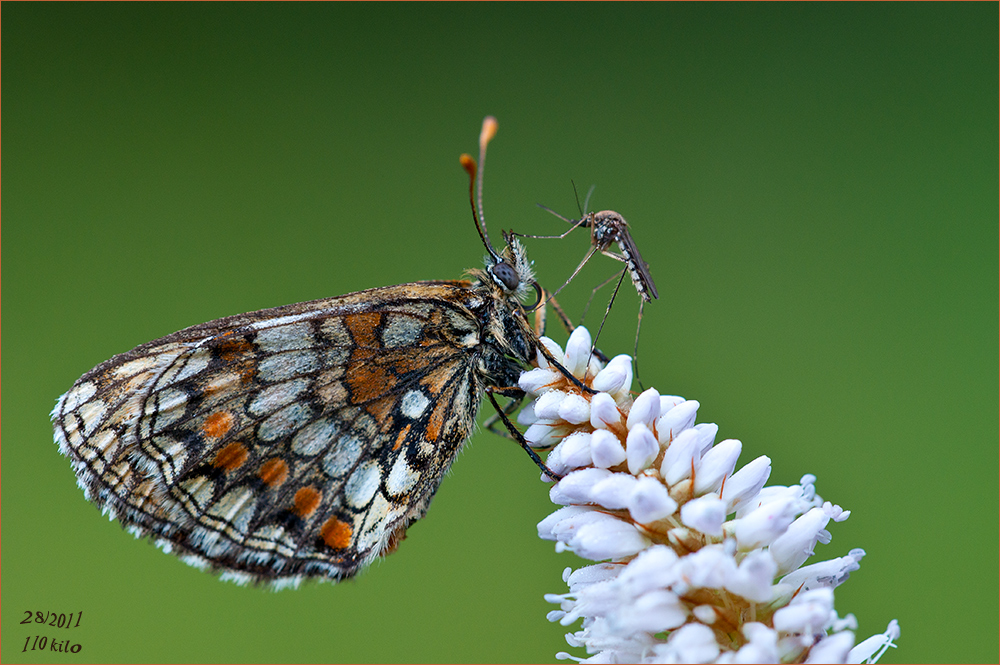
217 424
437 383
234 349
307 501
401 437
437 380
362 327
231 457
380 410
368 381
336 533
436 422
273 472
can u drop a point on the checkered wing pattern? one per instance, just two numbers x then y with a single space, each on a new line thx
293 442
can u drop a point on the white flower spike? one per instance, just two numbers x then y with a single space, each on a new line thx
698 561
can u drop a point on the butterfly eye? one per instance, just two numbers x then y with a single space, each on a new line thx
505 275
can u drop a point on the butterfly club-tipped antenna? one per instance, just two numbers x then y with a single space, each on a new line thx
501 270
487 133
508 278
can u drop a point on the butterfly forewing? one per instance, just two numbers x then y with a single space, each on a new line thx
297 441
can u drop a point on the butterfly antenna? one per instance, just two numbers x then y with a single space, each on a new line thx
488 131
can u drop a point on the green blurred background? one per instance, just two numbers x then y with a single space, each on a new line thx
814 186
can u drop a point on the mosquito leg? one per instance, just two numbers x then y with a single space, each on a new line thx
638 326
597 288
608 310
568 325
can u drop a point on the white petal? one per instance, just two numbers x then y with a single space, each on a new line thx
652 612
606 449
552 348
578 485
830 573
541 435
763 525
706 435
526 416
598 572
754 577
641 448
576 450
676 420
716 465
650 501
835 512
604 411
809 612
555 463
547 525
547 405
692 643
832 649
773 493
578 348
575 409
668 402
538 380
705 514
709 567
651 569
871 650
645 409
745 483
792 548
608 538
613 378
615 491
762 646
680 457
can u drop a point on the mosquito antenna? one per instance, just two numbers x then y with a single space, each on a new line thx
576 195
469 164
586 201
550 210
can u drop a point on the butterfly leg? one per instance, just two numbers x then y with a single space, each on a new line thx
516 434
509 409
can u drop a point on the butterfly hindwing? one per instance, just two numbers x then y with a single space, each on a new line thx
289 442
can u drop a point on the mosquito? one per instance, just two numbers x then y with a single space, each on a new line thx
608 228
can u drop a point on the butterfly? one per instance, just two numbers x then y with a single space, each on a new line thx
301 441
